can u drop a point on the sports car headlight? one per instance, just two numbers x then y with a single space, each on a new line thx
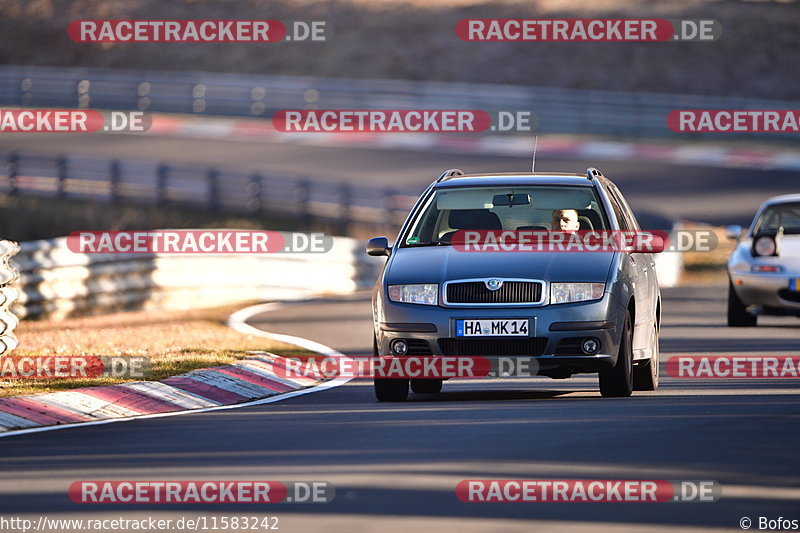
765 245
562 293
427 294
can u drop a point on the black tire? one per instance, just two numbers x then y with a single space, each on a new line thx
388 389
738 317
391 389
617 382
645 376
426 386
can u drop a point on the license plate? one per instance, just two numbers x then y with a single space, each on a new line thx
493 328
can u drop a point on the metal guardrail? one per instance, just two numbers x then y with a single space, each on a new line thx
559 110
144 182
8 295
55 282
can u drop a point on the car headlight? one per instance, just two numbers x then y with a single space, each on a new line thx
427 294
765 245
562 293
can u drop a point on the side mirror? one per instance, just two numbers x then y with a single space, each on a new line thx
733 232
378 246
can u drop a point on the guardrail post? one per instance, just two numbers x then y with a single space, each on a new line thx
13 168
254 191
114 173
213 189
61 173
161 184
302 194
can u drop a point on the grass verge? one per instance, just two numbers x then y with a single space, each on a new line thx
707 268
174 341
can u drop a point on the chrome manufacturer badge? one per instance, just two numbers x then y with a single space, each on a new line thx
493 284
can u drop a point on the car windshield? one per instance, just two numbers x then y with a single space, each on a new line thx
501 208
786 216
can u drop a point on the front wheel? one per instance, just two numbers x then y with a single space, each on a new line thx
645 376
391 389
738 317
618 381
388 389
426 386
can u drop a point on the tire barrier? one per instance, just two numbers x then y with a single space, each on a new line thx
8 295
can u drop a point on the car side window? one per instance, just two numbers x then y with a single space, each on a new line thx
632 222
618 211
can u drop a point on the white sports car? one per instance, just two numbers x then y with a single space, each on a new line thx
764 269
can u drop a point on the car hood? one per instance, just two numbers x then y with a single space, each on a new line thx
445 263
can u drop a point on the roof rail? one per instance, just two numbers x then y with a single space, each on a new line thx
592 173
447 174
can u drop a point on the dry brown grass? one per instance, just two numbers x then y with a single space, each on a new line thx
174 341
704 268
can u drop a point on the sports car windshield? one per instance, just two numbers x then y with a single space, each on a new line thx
786 216
500 208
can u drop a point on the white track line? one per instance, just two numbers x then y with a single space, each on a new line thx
236 321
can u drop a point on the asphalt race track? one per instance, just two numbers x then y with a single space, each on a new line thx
395 466
700 193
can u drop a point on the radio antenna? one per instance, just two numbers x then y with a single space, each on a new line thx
533 162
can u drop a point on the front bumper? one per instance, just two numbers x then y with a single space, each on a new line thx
767 292
553 345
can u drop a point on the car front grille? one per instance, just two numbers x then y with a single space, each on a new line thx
493 347
569 346
418 347
511 292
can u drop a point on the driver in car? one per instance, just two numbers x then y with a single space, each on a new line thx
565 220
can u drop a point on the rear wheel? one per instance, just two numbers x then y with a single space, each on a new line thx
426 386
618 381
388 389
645 376
738 317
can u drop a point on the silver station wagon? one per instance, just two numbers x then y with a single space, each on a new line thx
764 269
566 312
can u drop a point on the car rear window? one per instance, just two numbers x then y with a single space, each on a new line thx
500 208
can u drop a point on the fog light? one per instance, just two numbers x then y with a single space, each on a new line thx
399 347
590 346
